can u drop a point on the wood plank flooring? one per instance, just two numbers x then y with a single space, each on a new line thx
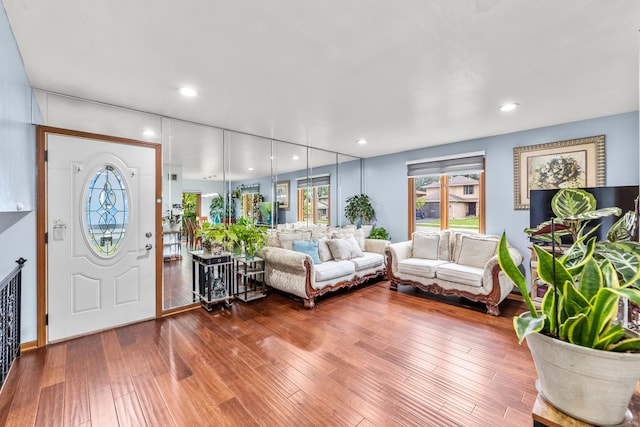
368 357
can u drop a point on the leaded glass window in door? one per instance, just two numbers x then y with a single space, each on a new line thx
106 211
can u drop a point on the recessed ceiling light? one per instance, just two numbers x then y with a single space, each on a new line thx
250 169
149 133
188 91
509 107
361 141
295 157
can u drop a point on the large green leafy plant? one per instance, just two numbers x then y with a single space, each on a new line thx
586 283
359 207
574 209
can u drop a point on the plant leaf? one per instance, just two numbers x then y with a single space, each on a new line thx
546 262
611 335
511 270
591 280
548 309
527 325
623 228
626 345
571 329
574 302
600 213
624 256
567 204
605 309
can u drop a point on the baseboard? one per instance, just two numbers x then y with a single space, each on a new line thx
28 346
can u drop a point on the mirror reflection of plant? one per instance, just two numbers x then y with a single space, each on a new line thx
253 237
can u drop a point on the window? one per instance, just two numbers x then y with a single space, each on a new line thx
314 200
447 193
106 212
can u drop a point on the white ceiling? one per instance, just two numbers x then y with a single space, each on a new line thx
403 74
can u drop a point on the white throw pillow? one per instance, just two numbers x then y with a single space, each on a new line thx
286 239
476 251
323 250
426 245
344 248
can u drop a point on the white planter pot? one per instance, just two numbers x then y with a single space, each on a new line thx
594 386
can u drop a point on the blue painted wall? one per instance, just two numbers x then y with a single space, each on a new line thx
386 177
17 138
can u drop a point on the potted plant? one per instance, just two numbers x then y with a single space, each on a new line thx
359 210
251 236
587 363
213 238
379 233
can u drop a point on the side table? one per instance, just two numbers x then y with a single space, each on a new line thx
212 278
250 278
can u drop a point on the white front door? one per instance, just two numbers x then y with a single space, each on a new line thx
101 225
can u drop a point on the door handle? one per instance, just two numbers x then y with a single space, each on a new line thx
148 246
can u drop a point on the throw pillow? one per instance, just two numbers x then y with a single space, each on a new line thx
344 248
309 247
475 252
323 250
425 245
286 239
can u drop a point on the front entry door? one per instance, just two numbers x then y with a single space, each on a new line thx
101 225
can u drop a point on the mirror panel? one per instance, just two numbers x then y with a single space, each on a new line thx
349 183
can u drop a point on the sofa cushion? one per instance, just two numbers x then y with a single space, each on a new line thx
425 245
464 274
323 251
286 239
345 233
344 248
309 247
369 260
420 267
333 269
474 251
444 242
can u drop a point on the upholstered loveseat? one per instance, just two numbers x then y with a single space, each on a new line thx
312 262
451 263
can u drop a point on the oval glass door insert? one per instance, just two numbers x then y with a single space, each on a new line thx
106 211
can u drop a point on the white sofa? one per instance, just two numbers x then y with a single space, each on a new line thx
451 263
340 266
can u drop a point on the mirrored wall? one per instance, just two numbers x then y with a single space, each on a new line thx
215 175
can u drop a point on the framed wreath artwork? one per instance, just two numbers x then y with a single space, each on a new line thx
562 164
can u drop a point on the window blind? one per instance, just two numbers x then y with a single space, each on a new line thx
448 165
250 189
314 181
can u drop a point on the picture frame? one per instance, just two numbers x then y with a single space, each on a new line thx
571 163
282 194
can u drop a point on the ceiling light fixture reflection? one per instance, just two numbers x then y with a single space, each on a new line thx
361 141
509 107
250 169
295 157
188 91
148 133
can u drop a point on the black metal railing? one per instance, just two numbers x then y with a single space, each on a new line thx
10 319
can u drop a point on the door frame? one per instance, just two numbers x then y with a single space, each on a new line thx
41 216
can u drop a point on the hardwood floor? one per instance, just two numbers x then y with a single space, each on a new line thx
366 357
177 281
